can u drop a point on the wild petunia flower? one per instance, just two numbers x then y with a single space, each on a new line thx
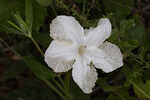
82 50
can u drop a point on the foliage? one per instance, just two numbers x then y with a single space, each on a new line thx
24 35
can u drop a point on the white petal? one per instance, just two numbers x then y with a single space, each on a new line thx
96 36
114 54
66 28
60 56
84 75
86 31
107 58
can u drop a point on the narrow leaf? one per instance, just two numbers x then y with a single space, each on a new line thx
29 13
38 69
44 2
77 93
106 87
141 89
15 26
21 23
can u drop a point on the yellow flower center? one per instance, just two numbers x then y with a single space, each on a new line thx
82 49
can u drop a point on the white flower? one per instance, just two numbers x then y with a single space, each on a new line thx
82 50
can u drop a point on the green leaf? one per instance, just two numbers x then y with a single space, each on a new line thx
120 8
133 29
32 89
106 87
141 89
15 26
43 39
8 29
120 95
28 13
79 1
41 71
21 23
32 11
77 94
39 17
111 97
44 2
123 94
129 35
9 7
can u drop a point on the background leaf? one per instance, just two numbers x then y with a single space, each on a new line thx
44 2
29 13
41 71
141 89
77 94
120 8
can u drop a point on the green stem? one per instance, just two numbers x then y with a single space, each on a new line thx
58 85
41 52
46 81
62 82
67 84
37 46
54 89
62 89
67 81
53 8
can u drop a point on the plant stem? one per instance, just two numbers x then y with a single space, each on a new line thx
46 81
53 8
58 85
67 81
62 89
54 89
61 81
37 46
67 84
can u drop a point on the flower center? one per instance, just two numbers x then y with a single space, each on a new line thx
82 49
